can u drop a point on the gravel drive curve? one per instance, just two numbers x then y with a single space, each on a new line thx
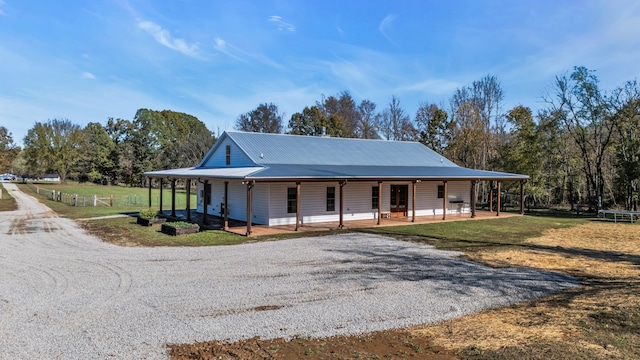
66 295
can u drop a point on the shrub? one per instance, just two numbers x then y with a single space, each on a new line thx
147 214
180 224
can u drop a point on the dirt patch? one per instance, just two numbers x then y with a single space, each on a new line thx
394 344
600 319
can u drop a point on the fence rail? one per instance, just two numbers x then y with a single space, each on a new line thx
103 200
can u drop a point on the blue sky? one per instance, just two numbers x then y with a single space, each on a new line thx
90 60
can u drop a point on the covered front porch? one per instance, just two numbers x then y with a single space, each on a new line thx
261 230
382 217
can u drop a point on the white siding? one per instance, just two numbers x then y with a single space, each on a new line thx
270 200
313 202
427 202
260 203
238 158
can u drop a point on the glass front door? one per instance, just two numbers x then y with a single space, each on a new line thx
399 200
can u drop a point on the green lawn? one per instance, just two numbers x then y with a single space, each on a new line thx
125 231
88 189
480 234
7 203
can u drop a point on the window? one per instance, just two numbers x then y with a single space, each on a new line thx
228 155
374 197
331 198
440 191
292 197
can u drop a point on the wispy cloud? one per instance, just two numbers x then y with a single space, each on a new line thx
433 86
88 75
223 47
385 25
2 3
164 37
281 25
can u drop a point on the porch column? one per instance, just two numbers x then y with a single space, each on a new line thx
379 201
205 201
498 196
173 197
188 199
161 184
150 182
473 198
413 203
249 203
490 196
226 206
522 196
342 184
297 205
444 201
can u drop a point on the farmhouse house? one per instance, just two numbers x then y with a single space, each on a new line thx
275 179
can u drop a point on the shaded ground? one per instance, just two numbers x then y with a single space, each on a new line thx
600 319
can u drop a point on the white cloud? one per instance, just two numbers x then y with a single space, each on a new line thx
385 25
220 44
88 75
164 37
2 3
281 25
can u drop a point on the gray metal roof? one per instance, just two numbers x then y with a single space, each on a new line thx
267 149
290 157
192 172
377 172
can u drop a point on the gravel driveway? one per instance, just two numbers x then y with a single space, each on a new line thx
65 294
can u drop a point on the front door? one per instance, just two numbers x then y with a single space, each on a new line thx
399 200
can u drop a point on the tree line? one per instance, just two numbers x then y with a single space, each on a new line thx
119 151
582 147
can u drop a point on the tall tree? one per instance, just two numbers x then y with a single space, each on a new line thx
486 96
53 146
584 111
368 120
313 122
342 112
625 103
8 150
396 123
465 147
96 161
434 126
523 153
266 118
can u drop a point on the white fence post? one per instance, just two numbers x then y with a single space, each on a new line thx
95 200
53 195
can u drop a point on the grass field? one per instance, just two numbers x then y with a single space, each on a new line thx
7 203
478 235
89 189
125 232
